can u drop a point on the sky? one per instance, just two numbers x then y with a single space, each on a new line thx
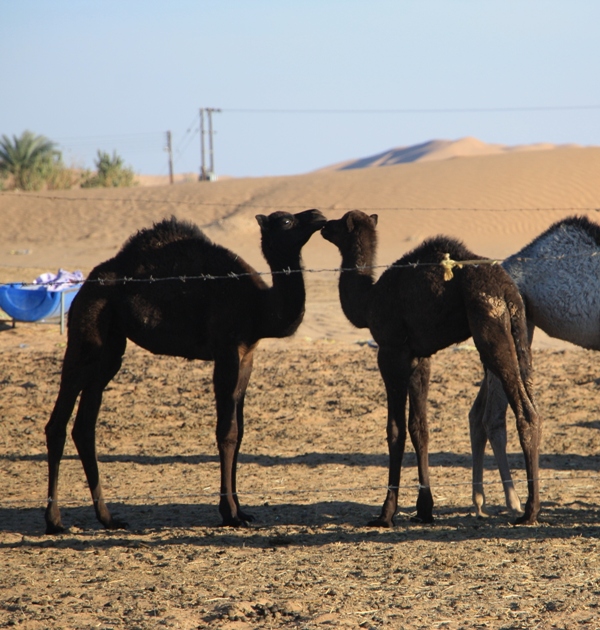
301 84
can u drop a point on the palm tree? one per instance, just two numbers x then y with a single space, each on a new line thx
29 159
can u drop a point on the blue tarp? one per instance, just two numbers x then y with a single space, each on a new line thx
29 303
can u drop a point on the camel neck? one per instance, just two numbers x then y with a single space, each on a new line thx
356 284
284 301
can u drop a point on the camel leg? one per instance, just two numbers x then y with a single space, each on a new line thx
246 363
230 381
84 429
394 366
77 374
487 420
418 388
478 442
498 354
56 433
494 423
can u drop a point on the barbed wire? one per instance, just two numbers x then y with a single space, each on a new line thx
446 263
310 491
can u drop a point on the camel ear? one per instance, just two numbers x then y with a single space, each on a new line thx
349 223
374 218
262 221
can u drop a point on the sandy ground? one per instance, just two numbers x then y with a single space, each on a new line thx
313 472
313 462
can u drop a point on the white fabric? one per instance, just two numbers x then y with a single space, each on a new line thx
59 281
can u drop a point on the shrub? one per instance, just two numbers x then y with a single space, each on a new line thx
111 172
61 177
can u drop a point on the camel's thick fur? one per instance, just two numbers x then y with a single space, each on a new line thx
172 291
412 312
557 275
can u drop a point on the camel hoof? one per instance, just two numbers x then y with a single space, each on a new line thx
422 520
380 522
525 520
235 522
115 523
243 519
244 516
55 528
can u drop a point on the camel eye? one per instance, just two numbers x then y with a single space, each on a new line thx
286 222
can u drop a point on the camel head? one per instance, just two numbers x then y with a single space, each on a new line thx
285 232
354 228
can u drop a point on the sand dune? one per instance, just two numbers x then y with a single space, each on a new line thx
434 150
495 203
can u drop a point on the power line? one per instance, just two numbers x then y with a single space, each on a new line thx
188 136
133 136
443 110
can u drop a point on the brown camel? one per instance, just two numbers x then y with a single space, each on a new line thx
172 291
412 312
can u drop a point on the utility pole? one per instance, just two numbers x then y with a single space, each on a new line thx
207 175
203 177
170 152
210 111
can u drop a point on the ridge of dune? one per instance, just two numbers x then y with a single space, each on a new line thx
439 150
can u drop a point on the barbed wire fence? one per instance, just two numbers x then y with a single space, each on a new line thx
447 263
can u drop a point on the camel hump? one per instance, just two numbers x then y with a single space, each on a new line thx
576 223
436 248
575 234
164 233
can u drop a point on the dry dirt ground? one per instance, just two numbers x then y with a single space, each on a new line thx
313 472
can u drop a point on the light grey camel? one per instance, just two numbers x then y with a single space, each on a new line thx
219 319
557 275
412 312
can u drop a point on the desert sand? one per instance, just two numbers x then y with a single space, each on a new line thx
313 462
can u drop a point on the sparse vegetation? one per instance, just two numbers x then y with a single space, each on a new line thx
28 162
32 162
110 173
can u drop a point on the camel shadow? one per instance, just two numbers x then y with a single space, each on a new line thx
315 524
588 424
442 459
158 517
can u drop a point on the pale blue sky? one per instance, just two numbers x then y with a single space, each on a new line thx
117 74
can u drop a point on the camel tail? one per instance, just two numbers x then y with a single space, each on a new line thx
518 329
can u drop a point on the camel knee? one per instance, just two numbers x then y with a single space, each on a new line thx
530 428
83 436
497 437
228 436
55 433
